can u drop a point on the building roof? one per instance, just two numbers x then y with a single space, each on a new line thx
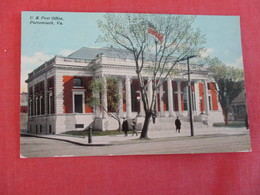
92 53
241 98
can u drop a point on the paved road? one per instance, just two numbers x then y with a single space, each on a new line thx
39 147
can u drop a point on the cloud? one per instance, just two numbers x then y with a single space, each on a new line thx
65 52
29 63
238 63
37 59
207 52
226 52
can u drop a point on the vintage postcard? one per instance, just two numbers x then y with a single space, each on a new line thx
99 84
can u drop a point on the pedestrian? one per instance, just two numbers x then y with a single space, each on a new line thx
125 127
134 127
178 125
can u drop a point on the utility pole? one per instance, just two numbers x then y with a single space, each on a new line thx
90 134
189 94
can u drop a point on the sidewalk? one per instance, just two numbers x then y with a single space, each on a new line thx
152 134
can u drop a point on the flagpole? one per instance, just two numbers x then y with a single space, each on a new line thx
156 42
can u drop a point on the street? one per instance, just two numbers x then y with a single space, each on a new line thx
40 147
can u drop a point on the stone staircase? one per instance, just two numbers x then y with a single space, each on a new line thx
168 123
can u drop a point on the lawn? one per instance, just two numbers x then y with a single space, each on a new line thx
94 133
230 124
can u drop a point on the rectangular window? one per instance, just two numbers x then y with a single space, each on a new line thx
78 103
37 106
41 105
78 82
31 108
50 82
210 102
208 85
165 99
135 100
50 130
50 103
185 98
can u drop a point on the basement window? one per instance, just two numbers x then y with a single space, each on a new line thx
79 126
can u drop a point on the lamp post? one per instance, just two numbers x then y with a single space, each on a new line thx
189 95
90 135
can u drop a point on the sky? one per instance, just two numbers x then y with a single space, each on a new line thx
46 34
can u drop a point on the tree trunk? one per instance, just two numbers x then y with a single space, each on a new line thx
225 116
144 132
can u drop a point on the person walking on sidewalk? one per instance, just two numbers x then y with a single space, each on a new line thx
134 127
125 127
178 125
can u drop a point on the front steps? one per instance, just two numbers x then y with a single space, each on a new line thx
168 123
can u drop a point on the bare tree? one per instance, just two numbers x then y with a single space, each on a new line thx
157 43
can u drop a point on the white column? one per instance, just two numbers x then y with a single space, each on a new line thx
120 90
206 100
104 98
197 97
161 102
170 97
128 97
179 97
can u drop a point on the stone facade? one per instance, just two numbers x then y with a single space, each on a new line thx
59 92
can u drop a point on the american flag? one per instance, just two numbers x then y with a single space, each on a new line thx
152 30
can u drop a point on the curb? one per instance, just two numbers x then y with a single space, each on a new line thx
65 140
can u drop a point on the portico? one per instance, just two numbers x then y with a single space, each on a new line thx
173 100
